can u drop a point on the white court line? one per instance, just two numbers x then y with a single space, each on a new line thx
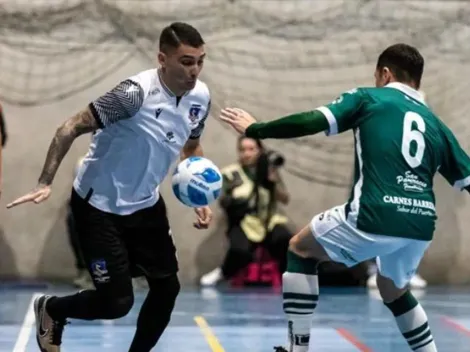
26 327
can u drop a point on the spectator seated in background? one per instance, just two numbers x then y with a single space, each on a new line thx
251 192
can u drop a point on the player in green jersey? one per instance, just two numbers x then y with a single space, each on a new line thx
400 144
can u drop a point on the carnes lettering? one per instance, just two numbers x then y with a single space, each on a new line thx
409 201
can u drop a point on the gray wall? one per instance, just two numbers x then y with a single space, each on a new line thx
272 71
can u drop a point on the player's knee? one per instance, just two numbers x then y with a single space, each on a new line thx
172 287
168 287
389 291
297 246
294 246
299 264
118 307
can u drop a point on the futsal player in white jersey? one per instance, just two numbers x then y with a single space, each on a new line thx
140 128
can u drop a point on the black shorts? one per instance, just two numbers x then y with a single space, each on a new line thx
117 247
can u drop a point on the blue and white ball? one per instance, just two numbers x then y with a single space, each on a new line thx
196 182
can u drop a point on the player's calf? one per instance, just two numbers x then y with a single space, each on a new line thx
155 313
300 287
300 297
410 317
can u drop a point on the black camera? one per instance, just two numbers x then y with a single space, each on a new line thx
274 158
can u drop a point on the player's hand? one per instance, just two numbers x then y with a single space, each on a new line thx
204 217
37 195
239 119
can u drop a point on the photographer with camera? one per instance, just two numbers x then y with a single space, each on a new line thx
252 190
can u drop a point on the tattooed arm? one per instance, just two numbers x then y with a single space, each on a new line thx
81 123
120 103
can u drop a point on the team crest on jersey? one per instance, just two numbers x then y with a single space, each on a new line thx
194 112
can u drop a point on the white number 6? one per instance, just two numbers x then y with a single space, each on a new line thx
415 135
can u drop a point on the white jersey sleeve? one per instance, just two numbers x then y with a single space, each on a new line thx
123 101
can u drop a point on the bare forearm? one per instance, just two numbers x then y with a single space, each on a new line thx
58 148
63 139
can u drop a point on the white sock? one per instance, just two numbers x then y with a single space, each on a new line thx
300 298
413 323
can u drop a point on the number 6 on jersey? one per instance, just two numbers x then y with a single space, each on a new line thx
410 135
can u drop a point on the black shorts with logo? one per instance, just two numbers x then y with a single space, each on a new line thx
118 247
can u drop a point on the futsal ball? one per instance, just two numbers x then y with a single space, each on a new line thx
196 182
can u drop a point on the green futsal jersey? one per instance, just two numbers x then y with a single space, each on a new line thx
400 144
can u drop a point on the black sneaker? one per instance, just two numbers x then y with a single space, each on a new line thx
48 331
280 349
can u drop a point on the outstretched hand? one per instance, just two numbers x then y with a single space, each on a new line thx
239 119
37 195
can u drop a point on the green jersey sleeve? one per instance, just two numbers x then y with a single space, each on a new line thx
455 165
343 112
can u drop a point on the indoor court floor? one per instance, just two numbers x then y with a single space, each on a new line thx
208 320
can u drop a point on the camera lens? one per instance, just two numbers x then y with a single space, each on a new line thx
276 159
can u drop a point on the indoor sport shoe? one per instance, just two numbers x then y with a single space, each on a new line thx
48 331
212 278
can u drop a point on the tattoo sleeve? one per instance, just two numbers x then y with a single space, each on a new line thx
81 123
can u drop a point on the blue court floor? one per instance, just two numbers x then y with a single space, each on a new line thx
209 320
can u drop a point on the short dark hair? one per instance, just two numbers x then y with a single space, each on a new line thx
179 33
404 61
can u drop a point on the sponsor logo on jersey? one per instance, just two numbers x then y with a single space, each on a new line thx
411 182
411 205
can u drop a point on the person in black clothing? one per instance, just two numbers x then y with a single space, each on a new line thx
252 190
4 136
3 130
143 125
